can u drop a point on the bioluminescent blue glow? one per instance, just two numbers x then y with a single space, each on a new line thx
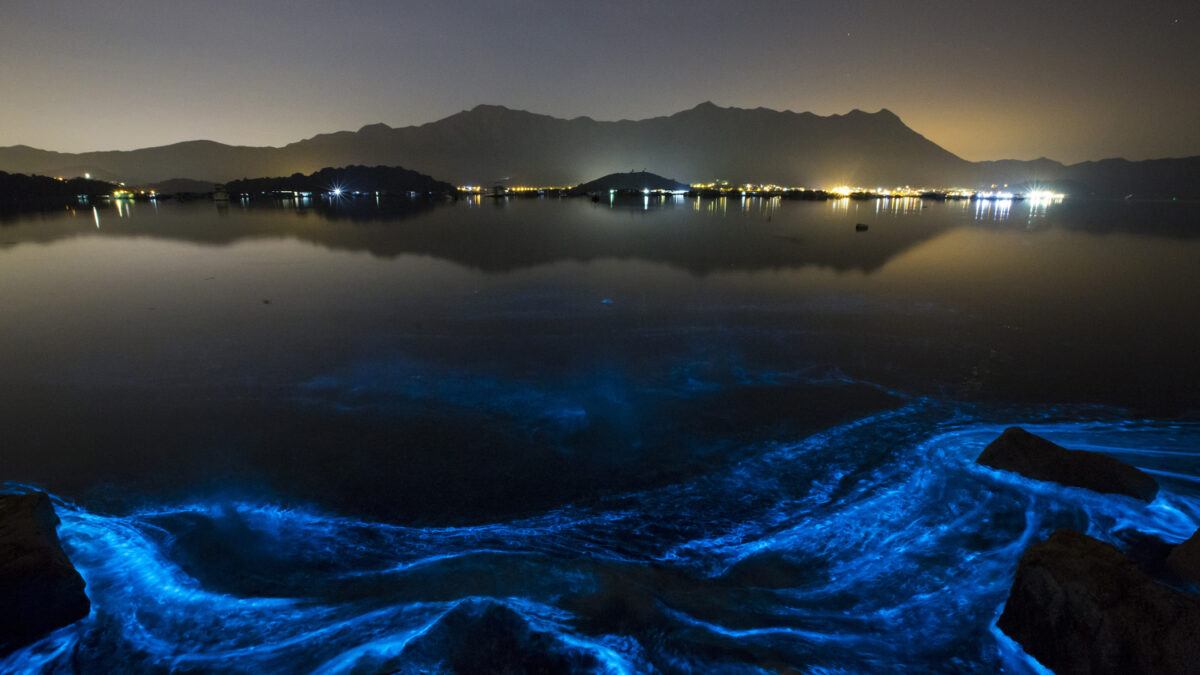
873 543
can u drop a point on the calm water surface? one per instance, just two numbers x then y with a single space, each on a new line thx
641 435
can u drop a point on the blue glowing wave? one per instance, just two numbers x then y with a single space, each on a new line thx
874 544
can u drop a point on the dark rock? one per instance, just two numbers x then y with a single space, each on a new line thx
1078 605
861 227
1184 560
1147 551
40 591
1035 457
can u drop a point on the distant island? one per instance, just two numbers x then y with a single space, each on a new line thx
633 181
19 192
493 144
376 180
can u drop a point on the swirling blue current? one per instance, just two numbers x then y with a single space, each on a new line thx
875 545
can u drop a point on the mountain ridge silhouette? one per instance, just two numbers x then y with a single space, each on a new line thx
492 143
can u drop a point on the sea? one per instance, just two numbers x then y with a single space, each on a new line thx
642 434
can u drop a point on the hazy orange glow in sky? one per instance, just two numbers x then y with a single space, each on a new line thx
1070 80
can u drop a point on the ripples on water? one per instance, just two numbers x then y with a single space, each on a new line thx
873 544
645 387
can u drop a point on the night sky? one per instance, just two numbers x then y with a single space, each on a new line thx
1071 81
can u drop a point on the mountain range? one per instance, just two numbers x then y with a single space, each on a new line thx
490 144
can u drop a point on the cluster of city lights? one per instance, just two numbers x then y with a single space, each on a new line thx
904 191
479 189
745 188
995 193
130 194
767 187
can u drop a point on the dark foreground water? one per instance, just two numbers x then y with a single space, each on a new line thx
712 436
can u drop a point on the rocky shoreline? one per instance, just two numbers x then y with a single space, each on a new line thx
40 591
1080 605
